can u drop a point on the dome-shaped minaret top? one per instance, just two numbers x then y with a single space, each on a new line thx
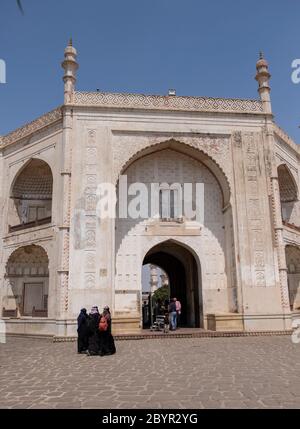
263 78
262 62
70 67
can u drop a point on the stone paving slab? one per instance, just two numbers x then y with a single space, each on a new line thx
237 372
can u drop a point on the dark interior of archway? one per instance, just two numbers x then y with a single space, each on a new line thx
178 281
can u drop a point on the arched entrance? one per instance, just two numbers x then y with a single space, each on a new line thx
182 269
26 283
293 271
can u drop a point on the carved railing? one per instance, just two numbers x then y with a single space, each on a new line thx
14 312
291 233
9 313
172 219
291 225
39 313
37 222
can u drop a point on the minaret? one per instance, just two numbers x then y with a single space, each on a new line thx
70 67
153 278
164 280
263 77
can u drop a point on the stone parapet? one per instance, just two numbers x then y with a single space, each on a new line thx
163 102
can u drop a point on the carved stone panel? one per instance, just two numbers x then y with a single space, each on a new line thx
90 181
254 207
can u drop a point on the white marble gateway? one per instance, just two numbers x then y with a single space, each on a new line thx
237 269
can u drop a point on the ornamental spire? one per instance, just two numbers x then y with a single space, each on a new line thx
263 79
70 67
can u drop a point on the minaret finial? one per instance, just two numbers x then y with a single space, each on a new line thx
70 67
263 79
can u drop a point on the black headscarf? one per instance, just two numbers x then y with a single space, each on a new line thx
82 317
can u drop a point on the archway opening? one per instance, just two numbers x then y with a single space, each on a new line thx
31 196
184 279
26 283
293 270
288 196
155 292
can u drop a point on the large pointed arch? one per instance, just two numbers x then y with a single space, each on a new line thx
182 147
172 162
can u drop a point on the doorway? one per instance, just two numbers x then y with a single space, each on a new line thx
181 267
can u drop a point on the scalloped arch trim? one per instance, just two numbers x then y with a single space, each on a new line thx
189 149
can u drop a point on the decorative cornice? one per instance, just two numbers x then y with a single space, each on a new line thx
36 125
286 138
160 102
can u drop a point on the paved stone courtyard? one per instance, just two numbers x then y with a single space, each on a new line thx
241 372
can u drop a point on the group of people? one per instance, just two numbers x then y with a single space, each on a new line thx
171 311
94 332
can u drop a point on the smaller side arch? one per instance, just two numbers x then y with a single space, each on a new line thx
288 191
29 163
288 188
12 250
26 282
293 271
31 195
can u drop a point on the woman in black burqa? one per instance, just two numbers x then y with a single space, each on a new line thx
82 330
93 332
107 343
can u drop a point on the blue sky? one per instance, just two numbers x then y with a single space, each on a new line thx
199 47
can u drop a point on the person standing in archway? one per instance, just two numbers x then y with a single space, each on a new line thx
173 315
178 311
